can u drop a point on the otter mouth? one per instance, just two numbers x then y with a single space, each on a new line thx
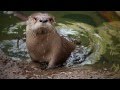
43 28
42 31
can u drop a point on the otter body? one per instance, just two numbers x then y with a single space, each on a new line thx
44 43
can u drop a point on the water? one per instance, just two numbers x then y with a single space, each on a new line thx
91 45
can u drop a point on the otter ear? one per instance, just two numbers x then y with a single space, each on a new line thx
52 20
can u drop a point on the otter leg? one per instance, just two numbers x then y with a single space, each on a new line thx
53 58
55 54
51 64
54 62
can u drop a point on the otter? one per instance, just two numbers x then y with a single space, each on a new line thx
43 42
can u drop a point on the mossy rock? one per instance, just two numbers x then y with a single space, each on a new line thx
110 32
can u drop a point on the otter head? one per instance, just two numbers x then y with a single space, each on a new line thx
40 23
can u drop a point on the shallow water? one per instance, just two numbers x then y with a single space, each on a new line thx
11 33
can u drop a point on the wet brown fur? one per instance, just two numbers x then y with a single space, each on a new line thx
47 45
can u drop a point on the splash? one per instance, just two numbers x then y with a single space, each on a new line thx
91 48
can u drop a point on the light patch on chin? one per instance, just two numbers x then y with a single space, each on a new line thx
49 26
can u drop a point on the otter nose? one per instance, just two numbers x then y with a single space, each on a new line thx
43 21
